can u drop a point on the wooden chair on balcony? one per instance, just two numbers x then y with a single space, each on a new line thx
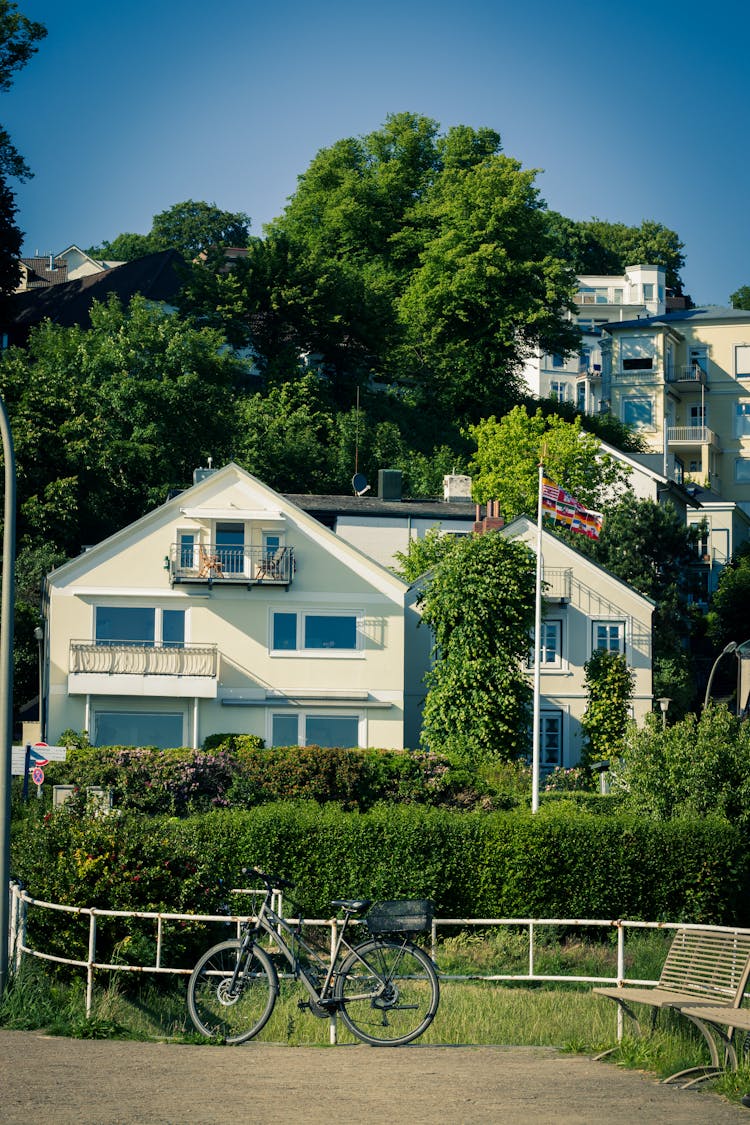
209 566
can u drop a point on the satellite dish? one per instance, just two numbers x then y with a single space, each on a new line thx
359 484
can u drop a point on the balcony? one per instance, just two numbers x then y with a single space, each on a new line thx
691 435
557 583
692 374
119 668
246 566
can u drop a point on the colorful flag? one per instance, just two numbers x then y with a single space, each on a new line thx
563 508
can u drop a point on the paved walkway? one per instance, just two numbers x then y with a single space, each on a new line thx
45 1079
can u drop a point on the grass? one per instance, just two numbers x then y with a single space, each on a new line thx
566 1016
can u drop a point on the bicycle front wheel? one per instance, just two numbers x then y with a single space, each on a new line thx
232 991
388 992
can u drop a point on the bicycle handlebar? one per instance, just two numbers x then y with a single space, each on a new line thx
273 882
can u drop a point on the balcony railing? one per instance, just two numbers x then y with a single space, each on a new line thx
250 566
693 373
557 582
691 435
117 658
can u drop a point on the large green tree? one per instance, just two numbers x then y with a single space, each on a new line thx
740 299
505 465
422 259
479 603
19 39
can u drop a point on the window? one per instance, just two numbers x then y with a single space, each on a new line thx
637 353
742 419
315 632
314 729
742 361
139 625
698 415
581 396
551 738
638 412
559 390
609 635
187 541
558 361
617 296
550 649
139 728
648 291
742 470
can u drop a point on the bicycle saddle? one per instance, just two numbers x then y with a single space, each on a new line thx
353 905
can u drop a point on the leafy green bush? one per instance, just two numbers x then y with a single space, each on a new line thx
235 771
561 862
694 767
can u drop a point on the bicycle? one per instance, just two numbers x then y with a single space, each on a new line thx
385 989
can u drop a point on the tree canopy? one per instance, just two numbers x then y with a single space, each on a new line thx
19 38
192 228
740 299
593 246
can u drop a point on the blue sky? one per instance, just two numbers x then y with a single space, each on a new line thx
630 111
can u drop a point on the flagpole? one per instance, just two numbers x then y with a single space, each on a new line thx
537 653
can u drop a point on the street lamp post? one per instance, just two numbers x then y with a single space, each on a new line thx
6 683
664 702
731 647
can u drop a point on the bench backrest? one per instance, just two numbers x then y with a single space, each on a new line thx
708 963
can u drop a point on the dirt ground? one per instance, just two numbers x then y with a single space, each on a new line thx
44 1079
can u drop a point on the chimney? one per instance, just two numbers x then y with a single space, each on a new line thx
492 521
389 484
456 487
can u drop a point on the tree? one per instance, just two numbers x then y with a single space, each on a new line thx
609 689
10 241
479 603
19 37
728 618
740 299
423 554
593 246
505 465
192 228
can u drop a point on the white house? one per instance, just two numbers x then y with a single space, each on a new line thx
228 609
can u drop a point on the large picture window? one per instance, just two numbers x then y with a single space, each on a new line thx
315 729
638 411
139 728
315 632
139 625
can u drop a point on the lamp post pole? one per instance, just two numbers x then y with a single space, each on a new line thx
731 647
6 684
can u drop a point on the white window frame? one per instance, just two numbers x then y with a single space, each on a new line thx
742 419
328 653
560 389
555 626
742 361
303 715
549 717
158 612
608 624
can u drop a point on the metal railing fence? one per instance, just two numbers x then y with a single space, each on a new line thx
21 901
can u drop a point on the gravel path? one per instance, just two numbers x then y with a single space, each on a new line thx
45 1079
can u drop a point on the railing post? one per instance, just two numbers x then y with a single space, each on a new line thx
90 966
158 941
620 976
531 949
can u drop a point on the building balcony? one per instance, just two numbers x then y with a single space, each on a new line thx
692 375
684 436
247 566
115 668
557 584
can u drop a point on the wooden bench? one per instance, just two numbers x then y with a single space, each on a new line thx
704 969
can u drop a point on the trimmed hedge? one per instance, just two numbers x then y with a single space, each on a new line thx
561 863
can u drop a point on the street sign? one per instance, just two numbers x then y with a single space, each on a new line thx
37 775
39 755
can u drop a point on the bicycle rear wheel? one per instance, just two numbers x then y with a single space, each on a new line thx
232 1002
388 992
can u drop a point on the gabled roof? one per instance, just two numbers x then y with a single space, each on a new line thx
155 276
523 525
200 494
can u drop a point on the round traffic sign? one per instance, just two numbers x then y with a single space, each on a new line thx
37 775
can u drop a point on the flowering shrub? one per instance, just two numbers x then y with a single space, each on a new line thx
567 780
